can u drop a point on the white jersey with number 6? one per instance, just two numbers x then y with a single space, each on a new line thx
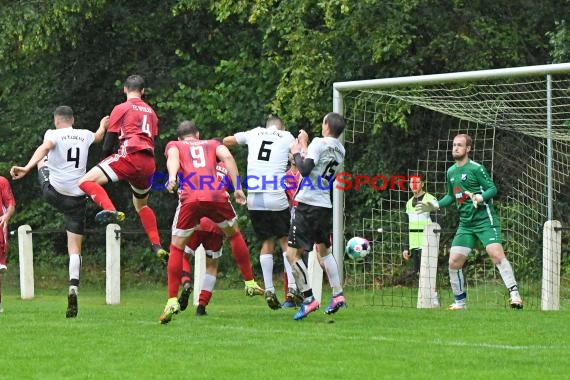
67 160
328 154
267 159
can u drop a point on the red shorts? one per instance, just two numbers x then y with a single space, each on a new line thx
136 168
188 215
210 241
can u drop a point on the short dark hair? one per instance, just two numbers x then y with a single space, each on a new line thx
65 112
134 83
186 128
418 175
274 120
336 123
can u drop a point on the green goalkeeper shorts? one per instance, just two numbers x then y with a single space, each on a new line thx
485 233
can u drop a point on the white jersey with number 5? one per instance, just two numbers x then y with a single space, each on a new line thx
328 154
67 160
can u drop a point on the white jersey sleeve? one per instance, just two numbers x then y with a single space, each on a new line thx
241 137
328 155
67 160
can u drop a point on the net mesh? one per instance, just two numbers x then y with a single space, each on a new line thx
507 120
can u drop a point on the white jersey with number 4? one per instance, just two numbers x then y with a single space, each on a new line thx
67 160
328 154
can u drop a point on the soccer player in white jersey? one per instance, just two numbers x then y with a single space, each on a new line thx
312 221
267 203
66 149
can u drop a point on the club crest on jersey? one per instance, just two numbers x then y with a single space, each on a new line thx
464 177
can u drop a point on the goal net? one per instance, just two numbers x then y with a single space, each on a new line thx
519 120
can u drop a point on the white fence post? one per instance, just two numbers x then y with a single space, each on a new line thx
113 264
26 256
551 254
427 297
199 272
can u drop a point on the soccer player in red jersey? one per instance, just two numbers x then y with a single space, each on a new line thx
7 209
134 125
210 236
202 194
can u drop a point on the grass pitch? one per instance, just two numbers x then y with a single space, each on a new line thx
242 338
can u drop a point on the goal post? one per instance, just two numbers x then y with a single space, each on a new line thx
519 119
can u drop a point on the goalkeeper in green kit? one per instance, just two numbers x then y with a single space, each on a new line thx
471 187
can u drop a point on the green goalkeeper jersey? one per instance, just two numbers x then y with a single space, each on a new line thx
471 177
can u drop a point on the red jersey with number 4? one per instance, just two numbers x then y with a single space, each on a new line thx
137 125
198 179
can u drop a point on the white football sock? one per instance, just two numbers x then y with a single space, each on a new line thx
506 271
289 271
209 282
266 262
74 269
457 281
332 273
301 275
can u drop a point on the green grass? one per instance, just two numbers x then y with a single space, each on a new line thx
242 338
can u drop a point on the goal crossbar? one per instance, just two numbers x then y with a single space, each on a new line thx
559 68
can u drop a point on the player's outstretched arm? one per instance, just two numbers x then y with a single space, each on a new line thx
18 172
229 141
100 133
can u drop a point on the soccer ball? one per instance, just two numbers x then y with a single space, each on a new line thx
357 248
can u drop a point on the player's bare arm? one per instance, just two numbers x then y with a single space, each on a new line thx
4 219
18 172
100 133
230 140
224 155
172 165
303 140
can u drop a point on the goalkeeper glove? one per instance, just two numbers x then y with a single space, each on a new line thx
427 206
475 198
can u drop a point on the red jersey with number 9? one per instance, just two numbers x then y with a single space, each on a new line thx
198 176
137 125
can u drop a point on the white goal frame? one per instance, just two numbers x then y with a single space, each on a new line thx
338 106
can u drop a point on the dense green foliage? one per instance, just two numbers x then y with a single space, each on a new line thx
227 64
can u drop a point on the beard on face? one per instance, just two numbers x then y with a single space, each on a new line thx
457 156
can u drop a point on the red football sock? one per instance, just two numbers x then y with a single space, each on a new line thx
204 298
174 270
98 194
241 255
148 220
285 283
186 270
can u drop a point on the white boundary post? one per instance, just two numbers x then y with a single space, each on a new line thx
113 264
551 255
26 256
199 272
428 268
315 275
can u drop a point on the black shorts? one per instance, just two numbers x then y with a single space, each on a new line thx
310 225
270 224
73 208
